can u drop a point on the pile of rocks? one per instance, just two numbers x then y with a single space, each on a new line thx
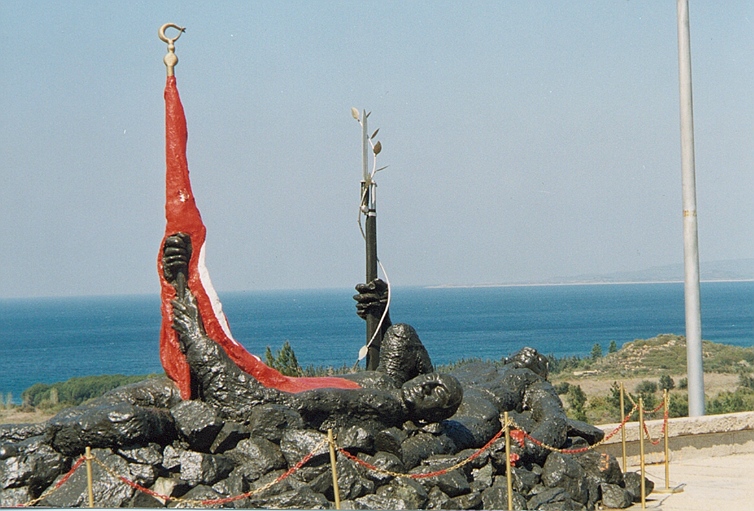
176 448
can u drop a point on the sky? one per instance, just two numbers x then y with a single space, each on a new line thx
524 140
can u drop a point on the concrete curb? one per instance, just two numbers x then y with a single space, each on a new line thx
688 438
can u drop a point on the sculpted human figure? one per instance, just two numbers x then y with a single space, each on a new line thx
378 404
519 386
404 389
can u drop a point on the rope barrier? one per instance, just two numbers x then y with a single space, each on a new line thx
517 433
664 423
436 473
193 502
57 485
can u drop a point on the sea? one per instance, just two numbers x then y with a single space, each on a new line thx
53 339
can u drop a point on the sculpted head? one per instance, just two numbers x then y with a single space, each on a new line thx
432 397
529 358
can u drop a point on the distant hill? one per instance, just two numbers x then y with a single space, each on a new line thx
732 269
667 352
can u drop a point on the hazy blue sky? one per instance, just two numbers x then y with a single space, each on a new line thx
525 140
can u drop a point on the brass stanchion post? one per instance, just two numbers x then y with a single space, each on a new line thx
333 463
666 427
89 487
667 449
641 454
622 419
508 474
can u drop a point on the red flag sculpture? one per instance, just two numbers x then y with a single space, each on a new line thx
183 216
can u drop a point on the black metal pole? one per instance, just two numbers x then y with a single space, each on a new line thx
373 320
368 208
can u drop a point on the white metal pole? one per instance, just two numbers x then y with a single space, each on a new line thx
695 372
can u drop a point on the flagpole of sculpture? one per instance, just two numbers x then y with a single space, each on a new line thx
368 209
690 231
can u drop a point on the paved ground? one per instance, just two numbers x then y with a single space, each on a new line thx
725 483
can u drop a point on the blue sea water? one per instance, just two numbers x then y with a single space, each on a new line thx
53 339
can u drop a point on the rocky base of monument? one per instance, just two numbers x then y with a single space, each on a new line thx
148 444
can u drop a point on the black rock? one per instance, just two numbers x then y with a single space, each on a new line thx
547 496
561 470
233 485
446 461
285 485
523 480
171 457
452 483
405 490
15 497
202 468
423 445
228 437
496 497
375 501
586 431
108 491
34 464
270 421
144 475
468 501
632 482
615 497
355 439
309 473
436 498
390 440
149 455
482 478
255 457
143 500
106 424
198 493
350 482
19 432
301 498
601 466
198 423
382 460
297 443
476 421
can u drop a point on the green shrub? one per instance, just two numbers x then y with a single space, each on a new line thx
666 382
576 400
678 405
646 390
76 390
613 400
742 400
564 364
746 380
284 360
646 387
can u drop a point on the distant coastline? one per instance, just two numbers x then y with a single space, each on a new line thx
577 283
730 270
